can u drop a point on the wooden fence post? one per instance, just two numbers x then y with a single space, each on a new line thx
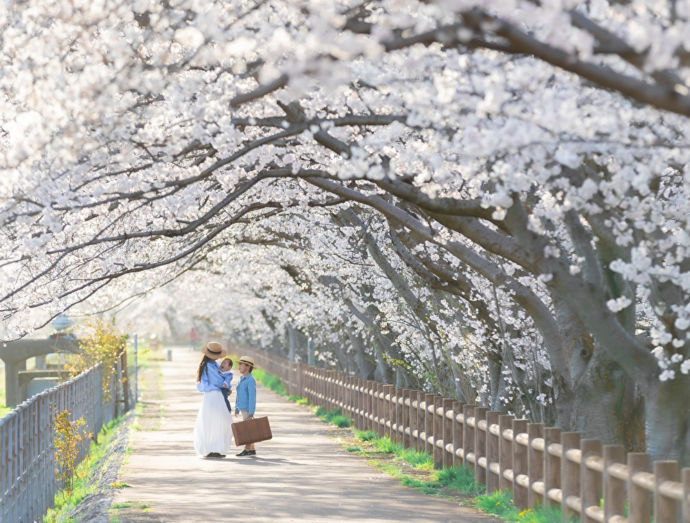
448 423
380 409
406 418
369 405
535 462
398 410
357 384
614 488
438 432
468 434
552 465
421 422
570 472
665 509
364 403
428 423
590 479
315 381
520 492
638 498
412 418
334 391
457 433
387 410
492 455
505 451
686 494
479 446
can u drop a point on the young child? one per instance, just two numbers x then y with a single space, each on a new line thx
225 367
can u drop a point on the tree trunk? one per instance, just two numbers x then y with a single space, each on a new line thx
604 405
667 409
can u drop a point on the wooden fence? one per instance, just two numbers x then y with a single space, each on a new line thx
539 464
27 461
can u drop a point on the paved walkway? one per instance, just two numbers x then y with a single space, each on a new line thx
300 475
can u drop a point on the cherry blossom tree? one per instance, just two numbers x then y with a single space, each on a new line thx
487 199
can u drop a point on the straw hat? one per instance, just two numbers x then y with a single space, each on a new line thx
247 360
214 350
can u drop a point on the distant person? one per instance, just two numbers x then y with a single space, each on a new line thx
245 402
226 389
213 427
193 338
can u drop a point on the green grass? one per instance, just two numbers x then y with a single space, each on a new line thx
334 416
500 504
114 518
419 460
365 435
440 482
83 485
270 381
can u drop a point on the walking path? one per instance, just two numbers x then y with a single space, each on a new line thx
300 475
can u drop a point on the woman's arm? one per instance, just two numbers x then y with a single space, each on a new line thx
251 395
211 379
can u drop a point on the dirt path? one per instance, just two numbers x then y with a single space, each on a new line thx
300 475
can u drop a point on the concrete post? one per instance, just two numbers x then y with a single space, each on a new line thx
311 359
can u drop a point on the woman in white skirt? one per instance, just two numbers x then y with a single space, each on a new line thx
213 427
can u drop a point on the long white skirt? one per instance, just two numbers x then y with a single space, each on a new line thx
213 427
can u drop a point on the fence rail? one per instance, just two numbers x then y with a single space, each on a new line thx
27 458
539 464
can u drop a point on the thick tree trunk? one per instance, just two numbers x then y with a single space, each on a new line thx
667 409
604 406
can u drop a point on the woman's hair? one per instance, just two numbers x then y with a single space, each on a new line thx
202 367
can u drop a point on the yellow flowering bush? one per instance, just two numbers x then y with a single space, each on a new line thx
68 435
102 343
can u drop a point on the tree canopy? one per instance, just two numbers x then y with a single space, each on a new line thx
489 199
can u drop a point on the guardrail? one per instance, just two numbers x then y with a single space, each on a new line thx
27 450
539 464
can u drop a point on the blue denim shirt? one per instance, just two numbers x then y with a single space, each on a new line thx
212 378
246 394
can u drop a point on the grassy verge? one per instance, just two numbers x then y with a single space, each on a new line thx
415 469
119 510
87 471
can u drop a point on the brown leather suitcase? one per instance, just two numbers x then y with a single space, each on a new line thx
251 431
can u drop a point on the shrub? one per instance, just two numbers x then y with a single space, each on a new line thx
102 344
68 436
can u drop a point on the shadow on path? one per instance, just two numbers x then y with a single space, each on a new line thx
300 475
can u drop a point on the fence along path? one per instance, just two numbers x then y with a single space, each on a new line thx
27 448
539 464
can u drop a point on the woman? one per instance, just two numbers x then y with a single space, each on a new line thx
245 404
213 427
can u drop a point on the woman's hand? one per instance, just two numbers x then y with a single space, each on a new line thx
251 416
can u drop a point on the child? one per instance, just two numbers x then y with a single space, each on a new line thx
245 404
225 367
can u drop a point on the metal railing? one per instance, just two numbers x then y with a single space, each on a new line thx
539 464
27 450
